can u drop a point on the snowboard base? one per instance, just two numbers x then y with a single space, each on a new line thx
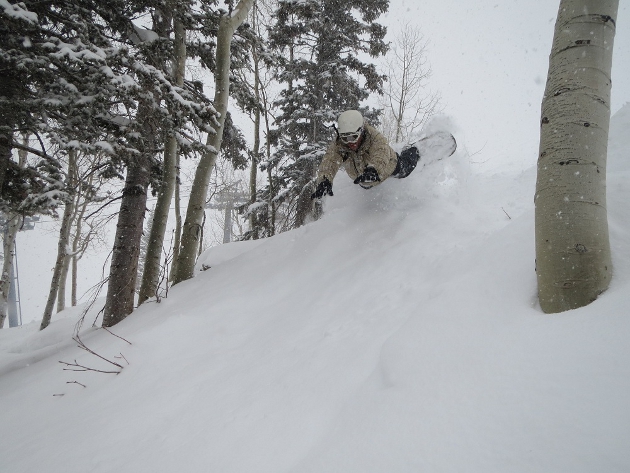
427 150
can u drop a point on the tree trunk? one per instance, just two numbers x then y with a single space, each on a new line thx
573 262
271 210
12 227
124 266
191 233
13 224
63 278
123 271
151 273
8 87
73 278
305 208
73 203
253 174
76 240
62 254
178 220
253 177
5 153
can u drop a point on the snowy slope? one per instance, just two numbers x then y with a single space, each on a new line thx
400 333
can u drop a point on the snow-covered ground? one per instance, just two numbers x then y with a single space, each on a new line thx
400 333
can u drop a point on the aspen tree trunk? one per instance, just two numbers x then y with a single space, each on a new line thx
76 240
14 222
253 175
62 245
573 262
13 226
63 278
74 261
191 234
148 287
65 262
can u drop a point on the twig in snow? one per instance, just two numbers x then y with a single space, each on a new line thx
76 382
118 336
506 213
77 367
84 347
123 357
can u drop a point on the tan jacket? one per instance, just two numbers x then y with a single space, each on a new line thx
374 151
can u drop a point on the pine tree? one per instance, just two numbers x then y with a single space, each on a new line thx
317 46
80 75
163 109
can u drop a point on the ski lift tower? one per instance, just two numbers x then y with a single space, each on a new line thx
14 310
226 200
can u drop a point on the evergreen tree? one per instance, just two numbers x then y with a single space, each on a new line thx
163 109
317 45
81 75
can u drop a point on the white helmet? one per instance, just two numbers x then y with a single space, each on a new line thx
350 121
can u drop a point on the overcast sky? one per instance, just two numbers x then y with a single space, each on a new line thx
490 61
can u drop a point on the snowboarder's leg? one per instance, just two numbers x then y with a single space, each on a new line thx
407 162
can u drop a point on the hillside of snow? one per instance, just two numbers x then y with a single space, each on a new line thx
399 333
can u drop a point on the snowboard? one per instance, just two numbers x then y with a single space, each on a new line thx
427 150
436 146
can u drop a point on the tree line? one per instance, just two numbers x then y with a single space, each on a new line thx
100 103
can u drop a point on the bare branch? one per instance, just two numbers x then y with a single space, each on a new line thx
408 105
103 206
77 367
117 336
36 152
84 347
123 357
76 382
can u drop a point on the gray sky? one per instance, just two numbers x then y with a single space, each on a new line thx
490 61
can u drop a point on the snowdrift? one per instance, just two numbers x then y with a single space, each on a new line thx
400 333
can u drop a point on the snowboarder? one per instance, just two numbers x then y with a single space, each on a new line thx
365 154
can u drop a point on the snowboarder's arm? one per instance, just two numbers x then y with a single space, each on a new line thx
330 164
382 157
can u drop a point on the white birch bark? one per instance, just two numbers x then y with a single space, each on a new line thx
191 234
573 262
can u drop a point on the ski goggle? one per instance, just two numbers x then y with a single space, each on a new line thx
351 137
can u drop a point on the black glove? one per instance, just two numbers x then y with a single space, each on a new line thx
323 188
369 175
